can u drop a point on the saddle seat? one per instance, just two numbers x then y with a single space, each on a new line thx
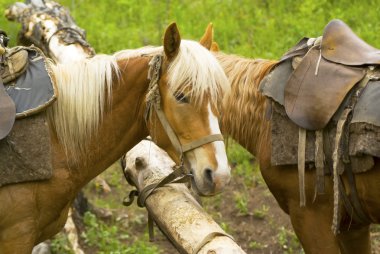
326 74
341 45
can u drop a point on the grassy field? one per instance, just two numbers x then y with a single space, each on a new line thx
251 28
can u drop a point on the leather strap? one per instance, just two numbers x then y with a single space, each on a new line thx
319 162
202 141
301 164
168 129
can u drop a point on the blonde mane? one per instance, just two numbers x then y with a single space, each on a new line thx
196 70
244 110
84 88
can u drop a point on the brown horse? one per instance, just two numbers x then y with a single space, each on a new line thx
244 119
99 115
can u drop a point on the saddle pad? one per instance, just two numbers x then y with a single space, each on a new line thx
311 100
368 105
25 154
365 123
33 91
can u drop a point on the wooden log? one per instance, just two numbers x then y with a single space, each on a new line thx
173 208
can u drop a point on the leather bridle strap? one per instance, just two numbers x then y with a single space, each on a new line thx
168 129
181 149
202 141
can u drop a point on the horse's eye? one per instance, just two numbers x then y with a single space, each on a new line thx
180 97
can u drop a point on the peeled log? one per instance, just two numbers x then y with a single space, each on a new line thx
172 207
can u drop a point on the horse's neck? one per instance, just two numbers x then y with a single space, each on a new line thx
244 114
122 127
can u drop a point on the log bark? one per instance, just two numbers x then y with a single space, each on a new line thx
172 207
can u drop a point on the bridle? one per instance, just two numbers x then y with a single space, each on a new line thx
181 173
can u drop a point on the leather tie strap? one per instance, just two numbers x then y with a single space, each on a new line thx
301 165
169 130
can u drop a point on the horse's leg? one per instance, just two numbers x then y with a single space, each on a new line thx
17 239
355 241
312 226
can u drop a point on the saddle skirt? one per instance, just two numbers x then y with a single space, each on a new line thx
25 149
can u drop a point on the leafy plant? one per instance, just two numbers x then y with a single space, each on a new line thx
60 245
109 239
261 212
256 245
241 203
288 241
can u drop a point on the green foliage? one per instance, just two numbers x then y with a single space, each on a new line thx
253 28
261 213
256 245
109 238
243 164
241 203
288 241
61 245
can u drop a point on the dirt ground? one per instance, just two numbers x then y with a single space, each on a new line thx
257 223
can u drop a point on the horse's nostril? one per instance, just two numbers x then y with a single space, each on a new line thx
209 175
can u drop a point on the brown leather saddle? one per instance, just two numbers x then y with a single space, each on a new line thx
12 65
326 74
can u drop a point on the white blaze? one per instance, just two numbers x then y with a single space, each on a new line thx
220 150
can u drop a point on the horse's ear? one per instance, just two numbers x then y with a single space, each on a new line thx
214 47
206 40
172 41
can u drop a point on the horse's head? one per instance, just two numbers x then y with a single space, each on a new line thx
49 26
191 85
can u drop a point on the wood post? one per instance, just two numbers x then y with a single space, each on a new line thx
172 207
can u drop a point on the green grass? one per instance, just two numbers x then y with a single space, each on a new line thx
253 28
111 238
288 241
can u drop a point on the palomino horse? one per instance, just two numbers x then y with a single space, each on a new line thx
245 119
99 115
